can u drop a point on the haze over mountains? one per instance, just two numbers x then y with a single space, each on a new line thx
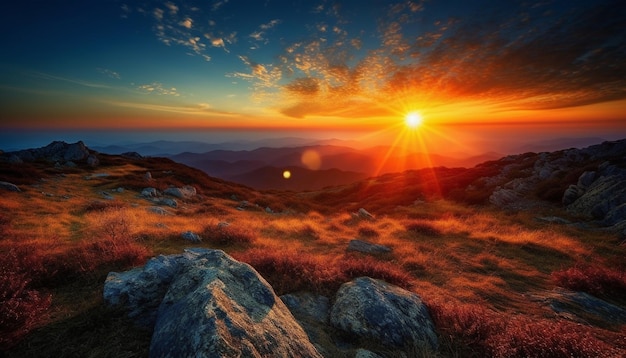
313 164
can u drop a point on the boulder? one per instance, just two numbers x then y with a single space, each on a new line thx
147 176
373 309
366 247
191 236
209 305
364 214
314 307
584 307
364 353
158 210
9 186
169 202
185 192
149 193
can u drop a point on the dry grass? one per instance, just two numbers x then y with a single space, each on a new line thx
67 241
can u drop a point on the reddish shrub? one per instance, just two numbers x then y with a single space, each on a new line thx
595 280
90 256
293 271
422 229
21 307
227 235
476 331
366 231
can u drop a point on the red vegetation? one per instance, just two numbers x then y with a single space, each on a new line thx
222 234
21 306
486 333
292 271
595 280
422 228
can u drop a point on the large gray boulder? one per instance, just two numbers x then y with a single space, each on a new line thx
203 303
373 309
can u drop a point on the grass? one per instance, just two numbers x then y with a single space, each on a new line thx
473 266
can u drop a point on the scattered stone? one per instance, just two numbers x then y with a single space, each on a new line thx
120 190
366 247
9 186
106 195
70 164
185 192
203 303
158 210
191 236
373 309
364 214
554 220
364 353
149 193
222 224
269 210
147 176
169 202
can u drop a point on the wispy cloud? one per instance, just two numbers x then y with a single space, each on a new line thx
529 57
68 80
199 109
159 89
109 73
260 34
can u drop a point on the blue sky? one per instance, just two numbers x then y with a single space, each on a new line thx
341 65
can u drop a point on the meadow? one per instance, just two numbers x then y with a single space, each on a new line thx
484 274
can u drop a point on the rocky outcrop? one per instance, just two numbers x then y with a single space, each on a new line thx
599 193
55 152
375 310
204 303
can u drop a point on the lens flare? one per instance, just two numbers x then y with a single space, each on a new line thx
286 174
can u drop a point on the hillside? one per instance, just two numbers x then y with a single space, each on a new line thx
510 257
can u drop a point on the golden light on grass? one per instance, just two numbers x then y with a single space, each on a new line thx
286 174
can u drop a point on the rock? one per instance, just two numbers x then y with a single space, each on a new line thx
147 176
364 353
209 305
586 179
107 195
366 247
191 236
93 161
15 159
269 210
158 210
364 214
373 309
9 186
306 304
185 192
169 202
149 193
132 155
585 306
571 194
502 197
74 152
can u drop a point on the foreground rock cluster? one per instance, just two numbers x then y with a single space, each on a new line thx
205 303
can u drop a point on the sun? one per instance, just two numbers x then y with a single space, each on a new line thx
413 120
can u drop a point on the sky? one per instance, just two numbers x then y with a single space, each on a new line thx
476 71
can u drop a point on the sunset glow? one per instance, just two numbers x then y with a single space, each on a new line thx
472 68
413 120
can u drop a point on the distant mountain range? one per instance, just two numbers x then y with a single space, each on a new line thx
260 164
